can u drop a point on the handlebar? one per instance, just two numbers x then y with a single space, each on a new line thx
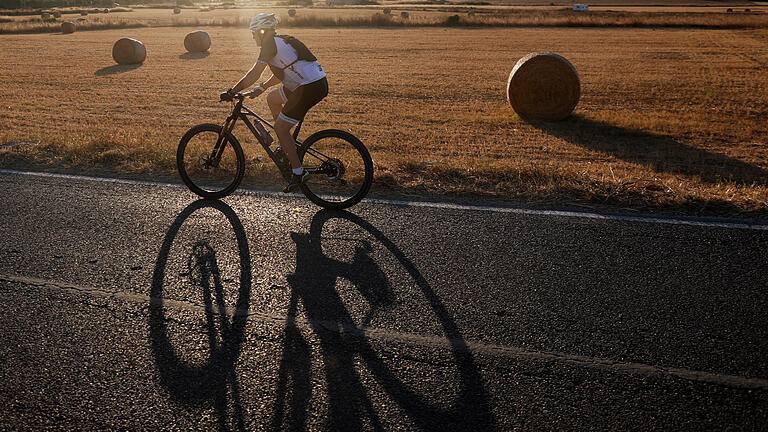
227 97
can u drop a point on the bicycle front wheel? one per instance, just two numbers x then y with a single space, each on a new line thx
206 172
340 166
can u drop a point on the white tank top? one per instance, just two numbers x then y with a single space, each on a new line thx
299 73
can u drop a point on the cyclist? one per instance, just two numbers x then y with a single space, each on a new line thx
303 79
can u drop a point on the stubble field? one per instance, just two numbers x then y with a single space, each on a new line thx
668 119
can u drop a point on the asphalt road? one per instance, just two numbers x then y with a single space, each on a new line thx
134 306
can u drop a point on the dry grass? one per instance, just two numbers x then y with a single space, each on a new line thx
71 10
54 25
668 118
419 17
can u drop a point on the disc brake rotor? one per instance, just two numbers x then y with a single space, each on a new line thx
335 169
202 162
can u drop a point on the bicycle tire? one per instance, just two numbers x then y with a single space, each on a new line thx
355 165
207 191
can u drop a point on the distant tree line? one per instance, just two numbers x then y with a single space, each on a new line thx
42 4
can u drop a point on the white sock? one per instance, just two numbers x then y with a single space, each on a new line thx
298 171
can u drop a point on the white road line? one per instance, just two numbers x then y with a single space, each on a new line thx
696 222
509 352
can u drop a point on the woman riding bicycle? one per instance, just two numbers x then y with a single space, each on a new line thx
304 85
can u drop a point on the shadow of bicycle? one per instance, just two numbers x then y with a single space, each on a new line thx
207 381
347 351
340 292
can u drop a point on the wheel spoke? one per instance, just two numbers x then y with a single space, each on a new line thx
340 167
205 176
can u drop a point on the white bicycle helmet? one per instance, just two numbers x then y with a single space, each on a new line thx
263 21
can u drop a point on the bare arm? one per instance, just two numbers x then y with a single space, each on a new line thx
251 77
273 80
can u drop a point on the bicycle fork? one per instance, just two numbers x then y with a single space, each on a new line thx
218 149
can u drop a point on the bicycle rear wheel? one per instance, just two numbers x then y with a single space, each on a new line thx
203 174
340 166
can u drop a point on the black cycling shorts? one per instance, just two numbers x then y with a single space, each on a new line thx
299 101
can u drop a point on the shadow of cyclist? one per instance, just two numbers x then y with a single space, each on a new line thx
344 344
210 382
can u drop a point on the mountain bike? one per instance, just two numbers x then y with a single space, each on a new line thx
211 162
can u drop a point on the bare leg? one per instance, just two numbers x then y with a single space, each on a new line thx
275 102
283 129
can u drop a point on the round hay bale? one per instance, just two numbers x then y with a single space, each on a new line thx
729 10
387 11
404 15
67 27
291 13
543 86
129 51
176 11
452 20
197 41
747 10
57 14
106 10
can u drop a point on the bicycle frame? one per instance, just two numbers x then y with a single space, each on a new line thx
242 112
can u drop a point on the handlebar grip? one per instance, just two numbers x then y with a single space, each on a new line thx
228 97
